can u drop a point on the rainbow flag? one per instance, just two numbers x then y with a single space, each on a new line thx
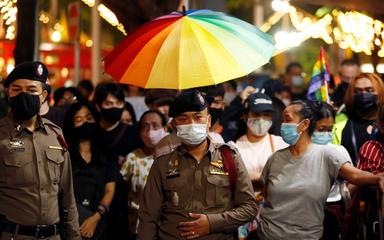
318 87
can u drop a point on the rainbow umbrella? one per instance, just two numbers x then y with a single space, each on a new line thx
189 49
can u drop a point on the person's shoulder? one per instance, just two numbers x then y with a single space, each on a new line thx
370 146
51 125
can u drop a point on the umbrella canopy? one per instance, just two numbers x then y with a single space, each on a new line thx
187 50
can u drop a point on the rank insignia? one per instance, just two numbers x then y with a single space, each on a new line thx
174 172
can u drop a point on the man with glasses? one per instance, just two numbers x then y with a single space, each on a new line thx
35 168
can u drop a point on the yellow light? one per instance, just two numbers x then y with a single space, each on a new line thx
64 72
367 68
56 36
10 67
89 43
90 3
280 5
380 53
108 15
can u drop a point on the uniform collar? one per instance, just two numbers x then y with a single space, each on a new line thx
211 148
18 127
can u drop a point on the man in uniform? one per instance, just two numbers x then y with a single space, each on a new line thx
35 169
191 192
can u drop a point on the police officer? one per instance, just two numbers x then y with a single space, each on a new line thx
199 190
35 167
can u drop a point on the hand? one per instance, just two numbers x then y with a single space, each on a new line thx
87 229
196 228
246 92
381 183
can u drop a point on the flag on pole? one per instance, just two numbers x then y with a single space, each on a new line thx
318 87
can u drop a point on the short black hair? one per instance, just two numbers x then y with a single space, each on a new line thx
213 90
86 84
291 65
104 89
322 110
162 117
349 62
307 112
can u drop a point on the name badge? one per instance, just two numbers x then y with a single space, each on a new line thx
55 147
216 171
16 145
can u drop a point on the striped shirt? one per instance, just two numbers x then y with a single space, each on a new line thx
371 157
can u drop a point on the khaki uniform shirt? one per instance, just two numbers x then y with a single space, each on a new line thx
34 168
177 185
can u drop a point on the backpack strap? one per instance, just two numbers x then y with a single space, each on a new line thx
229 165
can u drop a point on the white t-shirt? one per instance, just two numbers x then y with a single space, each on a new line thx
256 154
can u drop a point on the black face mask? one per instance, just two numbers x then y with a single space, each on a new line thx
215 114
24 105
111 115
86 131
365 101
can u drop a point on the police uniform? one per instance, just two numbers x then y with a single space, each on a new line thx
34 169
178 184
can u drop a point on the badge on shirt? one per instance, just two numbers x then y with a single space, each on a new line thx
174 170
55 147
217 167
217 171
16 145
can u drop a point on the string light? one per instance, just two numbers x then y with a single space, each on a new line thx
107 15
353 30
8 12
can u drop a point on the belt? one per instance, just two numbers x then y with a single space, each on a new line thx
37 231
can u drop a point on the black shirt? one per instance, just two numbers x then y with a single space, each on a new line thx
120 141
89 179
361 135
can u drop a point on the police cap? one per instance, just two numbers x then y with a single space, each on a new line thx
189 101
36 71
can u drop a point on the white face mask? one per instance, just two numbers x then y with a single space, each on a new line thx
192 134
259 126
153 137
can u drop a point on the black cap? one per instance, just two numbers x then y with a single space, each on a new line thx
190 101
36 71
258 102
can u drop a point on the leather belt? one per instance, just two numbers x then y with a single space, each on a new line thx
37 231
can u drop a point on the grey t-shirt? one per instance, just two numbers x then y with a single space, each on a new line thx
297 190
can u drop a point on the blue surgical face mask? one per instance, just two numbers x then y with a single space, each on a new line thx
289 132
321 138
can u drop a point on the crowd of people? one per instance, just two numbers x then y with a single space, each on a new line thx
242 159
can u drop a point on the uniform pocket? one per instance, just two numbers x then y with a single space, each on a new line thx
55 158
18 168
218 191
176 193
